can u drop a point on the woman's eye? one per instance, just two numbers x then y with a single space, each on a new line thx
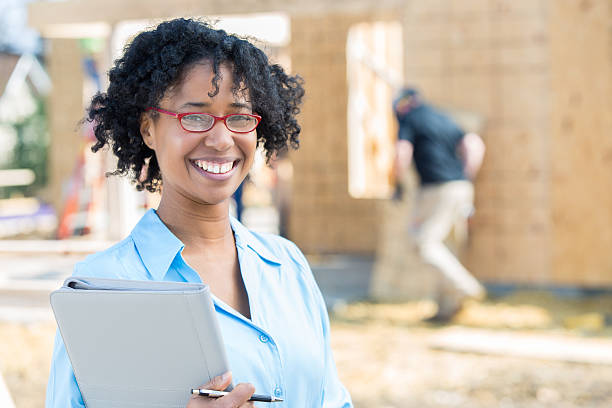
196 118
240 119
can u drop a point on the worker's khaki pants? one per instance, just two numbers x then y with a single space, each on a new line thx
439 209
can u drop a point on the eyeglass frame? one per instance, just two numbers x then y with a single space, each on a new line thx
180 116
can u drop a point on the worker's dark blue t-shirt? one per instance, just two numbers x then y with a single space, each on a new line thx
435 137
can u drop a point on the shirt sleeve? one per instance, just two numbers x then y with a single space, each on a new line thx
334 394
62 389
405 132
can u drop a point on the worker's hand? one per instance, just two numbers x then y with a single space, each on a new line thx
472 150
398 192
237 398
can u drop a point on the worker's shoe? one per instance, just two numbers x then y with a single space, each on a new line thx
443 316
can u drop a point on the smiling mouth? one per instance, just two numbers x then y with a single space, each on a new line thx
215 167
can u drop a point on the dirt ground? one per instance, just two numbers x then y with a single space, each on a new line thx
383 356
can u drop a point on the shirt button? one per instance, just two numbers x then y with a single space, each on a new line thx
263 338
278 392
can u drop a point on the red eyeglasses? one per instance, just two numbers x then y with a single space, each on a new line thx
203 122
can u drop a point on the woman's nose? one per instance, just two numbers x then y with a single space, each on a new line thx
219 137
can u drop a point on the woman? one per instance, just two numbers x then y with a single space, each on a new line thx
186 107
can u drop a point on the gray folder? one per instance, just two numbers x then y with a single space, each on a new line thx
138 343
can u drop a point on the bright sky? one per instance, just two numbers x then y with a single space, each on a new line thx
15 36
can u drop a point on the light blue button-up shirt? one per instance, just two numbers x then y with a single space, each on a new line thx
283 350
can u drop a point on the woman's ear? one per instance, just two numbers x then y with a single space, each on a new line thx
146 130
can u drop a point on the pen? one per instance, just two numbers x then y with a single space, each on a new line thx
218 394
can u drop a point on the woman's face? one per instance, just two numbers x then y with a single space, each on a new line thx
207 167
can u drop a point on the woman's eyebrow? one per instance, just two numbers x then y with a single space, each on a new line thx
194 104
243 105
239 105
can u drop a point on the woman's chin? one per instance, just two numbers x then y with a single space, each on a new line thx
219 199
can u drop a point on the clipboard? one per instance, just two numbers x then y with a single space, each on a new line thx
139 343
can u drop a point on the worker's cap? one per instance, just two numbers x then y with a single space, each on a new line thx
407 99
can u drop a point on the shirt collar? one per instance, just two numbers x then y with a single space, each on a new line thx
156 244
245 238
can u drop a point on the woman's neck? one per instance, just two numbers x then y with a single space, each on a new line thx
197 225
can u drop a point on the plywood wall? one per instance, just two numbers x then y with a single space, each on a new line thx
581 142
324 217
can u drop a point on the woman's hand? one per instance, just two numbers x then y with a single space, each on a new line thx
238 397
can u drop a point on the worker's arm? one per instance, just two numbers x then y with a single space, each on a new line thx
472 150
403 157
401 164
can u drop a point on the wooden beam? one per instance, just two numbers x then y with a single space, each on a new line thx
553 347
47 16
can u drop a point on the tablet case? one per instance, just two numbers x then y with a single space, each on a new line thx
139 343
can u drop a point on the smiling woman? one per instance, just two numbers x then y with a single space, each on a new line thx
161 116
202 161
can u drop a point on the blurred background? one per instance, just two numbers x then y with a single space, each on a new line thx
532 77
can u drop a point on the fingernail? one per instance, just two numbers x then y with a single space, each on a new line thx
226 375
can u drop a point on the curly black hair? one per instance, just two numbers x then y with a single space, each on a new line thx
157 60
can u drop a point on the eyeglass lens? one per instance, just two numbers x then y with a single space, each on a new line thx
202 122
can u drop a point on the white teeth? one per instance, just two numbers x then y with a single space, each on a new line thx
216 168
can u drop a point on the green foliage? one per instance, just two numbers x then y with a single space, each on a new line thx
30 151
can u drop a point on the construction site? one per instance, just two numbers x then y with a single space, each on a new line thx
532 78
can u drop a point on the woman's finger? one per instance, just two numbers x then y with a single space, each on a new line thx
220 382
239 396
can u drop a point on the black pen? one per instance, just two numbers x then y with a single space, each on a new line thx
218 394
